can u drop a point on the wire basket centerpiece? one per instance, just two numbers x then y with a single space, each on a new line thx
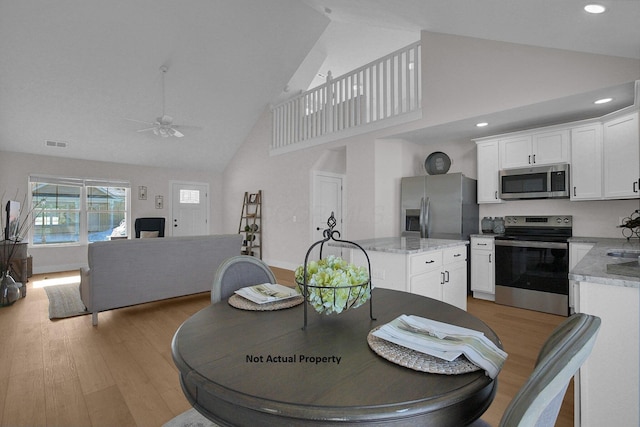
331 285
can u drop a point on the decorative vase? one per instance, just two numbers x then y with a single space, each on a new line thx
9 291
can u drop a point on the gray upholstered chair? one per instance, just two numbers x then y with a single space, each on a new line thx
538 402
238 272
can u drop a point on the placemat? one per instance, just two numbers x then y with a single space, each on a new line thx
418 361
237 301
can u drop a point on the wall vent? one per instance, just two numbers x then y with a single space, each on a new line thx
57 144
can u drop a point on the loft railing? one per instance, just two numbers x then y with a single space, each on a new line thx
386 88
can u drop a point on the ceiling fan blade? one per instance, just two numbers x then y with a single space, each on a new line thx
177 133
187 127
146 129
139 121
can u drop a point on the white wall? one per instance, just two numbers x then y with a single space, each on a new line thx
462 77
15 169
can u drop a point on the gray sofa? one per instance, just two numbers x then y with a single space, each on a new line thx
128 272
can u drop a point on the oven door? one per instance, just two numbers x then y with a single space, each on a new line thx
533 275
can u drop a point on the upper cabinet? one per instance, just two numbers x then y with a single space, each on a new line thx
535 149
488 165
586 162
621 155
604 156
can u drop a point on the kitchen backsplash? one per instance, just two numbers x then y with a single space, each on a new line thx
590 219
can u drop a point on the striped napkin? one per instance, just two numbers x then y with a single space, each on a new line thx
444 341
267 292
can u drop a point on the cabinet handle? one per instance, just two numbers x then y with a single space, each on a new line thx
447 276
429 262
635 184
534 159
489 258
495 195
529 158
482 244
441 278
457 255
574 190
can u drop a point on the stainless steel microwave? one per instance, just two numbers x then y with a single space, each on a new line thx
539 182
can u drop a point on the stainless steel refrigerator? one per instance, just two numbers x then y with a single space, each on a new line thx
439 206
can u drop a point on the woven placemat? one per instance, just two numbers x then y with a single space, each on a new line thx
418 361
242 303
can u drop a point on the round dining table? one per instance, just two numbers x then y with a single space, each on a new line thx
243 367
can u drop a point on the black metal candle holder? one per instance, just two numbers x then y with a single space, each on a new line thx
355 291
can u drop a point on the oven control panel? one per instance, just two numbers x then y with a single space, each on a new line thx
538 221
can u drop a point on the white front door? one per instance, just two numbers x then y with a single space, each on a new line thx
189 209
327 198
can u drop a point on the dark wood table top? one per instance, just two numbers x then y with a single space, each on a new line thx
255 368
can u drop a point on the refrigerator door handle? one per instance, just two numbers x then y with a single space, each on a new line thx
424 217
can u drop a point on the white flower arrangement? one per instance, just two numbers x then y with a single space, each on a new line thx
334 285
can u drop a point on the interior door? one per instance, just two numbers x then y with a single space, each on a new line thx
189 209
327 198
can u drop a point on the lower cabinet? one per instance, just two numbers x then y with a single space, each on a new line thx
438 274
483 281
606 386
577 251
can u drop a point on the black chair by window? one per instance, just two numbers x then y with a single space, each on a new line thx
149 227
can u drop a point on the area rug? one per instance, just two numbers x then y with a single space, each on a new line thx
64 301
190 418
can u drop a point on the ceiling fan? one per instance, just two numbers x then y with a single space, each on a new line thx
163 126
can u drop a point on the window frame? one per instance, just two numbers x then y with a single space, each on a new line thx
84 212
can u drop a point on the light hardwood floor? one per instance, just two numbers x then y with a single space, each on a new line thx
120 373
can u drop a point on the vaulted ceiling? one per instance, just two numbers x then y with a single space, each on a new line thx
74 71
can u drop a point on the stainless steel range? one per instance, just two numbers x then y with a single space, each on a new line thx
532 263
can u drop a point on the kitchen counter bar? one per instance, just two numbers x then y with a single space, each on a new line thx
593 267
406 245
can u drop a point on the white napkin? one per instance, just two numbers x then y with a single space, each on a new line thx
267 292
444 341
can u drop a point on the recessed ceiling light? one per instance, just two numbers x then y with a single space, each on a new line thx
595 8
482 124
603 100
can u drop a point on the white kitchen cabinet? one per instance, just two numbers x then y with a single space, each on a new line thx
577 251
606 386
488 158
483 279
621 154
440 274
586 162
516 152
454 288
445 282
535 149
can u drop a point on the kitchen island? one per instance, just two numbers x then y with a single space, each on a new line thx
606 386
435 268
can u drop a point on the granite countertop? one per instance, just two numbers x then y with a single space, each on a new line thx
593 267
407 245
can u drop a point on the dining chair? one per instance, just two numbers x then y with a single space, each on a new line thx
238 272
538 402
